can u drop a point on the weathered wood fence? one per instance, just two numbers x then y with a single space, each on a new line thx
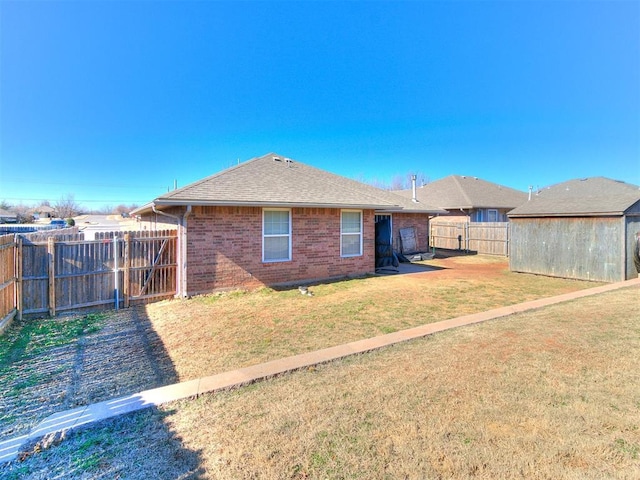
482 237
7 280
65 272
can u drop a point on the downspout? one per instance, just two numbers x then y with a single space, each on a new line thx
181 280
183 254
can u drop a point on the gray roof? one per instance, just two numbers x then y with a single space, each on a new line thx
7 214
581 197
456 191
273 180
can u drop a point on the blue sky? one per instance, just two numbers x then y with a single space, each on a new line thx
113 101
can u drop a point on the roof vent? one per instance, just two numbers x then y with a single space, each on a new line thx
277 159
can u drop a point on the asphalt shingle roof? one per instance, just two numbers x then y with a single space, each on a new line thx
273 180
587 196
457 191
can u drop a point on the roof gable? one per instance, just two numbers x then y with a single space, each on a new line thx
586 196
457 191
273 180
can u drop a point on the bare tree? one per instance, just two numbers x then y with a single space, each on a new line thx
398 182
67 207
103 210
24 213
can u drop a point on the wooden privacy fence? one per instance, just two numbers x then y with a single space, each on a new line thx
482 237
68 273
7 279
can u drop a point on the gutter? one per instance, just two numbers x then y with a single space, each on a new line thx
205 203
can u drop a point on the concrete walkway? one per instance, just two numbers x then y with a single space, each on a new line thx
81 416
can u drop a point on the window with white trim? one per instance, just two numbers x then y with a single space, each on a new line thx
492 215
276 235
351 233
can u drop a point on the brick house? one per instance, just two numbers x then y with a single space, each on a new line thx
272 220
469 199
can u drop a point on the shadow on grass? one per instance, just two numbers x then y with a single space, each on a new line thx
139 445
57 364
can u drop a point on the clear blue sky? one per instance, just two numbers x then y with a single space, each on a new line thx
113 101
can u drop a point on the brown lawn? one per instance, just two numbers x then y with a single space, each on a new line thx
210 334
550 393
51 365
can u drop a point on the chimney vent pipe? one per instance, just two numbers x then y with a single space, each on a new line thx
414 198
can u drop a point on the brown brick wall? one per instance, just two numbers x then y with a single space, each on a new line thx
224 248
418 220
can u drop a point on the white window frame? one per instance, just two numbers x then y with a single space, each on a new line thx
342 234
489 210
288 235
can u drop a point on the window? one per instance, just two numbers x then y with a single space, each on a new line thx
351 233
492 215
276 235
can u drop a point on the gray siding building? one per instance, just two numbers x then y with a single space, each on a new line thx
584 229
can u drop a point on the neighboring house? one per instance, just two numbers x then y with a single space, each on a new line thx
44 211
583 229
469 199
272 221
7 217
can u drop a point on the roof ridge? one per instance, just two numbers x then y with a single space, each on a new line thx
221 173
337 180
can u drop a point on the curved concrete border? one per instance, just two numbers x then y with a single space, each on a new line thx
85 415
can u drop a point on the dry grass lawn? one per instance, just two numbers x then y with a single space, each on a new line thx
214 333
551 393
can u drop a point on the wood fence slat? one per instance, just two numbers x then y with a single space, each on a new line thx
51 250
481 237
66 272
19 275
8 280
127 269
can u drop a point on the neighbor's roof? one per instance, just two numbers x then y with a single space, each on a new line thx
44 209
7 214
457 191
273 180
584 197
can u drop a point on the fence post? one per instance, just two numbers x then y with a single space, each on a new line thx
51 254
466 237
126 287
19 302
116 286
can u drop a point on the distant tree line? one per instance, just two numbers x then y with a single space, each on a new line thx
65 207
397 182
